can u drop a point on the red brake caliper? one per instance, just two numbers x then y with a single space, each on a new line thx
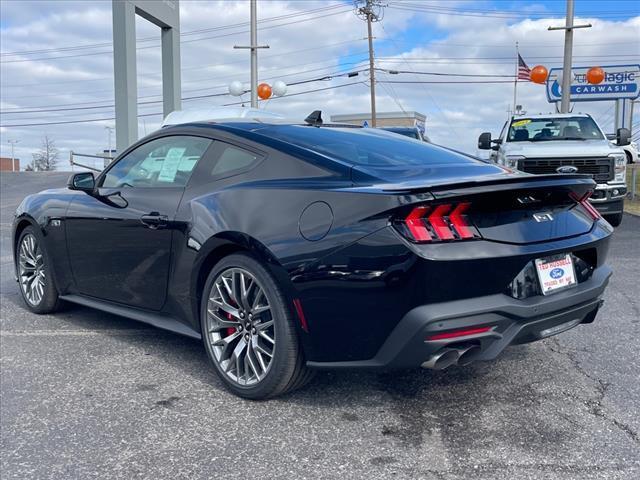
230 330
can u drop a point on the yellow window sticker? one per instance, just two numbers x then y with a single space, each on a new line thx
520 123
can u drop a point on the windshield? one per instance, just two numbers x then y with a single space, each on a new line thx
549 129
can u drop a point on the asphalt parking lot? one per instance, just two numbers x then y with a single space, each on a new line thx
90 395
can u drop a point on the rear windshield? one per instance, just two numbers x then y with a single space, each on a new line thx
364 146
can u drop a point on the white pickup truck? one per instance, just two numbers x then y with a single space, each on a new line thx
565 143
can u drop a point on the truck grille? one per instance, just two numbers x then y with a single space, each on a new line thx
600 168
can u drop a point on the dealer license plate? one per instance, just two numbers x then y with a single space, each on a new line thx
555 273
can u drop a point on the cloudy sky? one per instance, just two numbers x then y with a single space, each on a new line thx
56 63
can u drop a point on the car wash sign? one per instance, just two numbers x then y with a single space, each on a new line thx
620 81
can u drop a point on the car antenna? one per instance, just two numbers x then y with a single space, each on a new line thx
314 118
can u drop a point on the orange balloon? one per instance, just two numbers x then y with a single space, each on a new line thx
595 75
539 74
264 91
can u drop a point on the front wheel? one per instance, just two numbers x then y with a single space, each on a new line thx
34 273
248 330
615 220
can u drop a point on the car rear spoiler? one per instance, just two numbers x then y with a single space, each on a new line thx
447 188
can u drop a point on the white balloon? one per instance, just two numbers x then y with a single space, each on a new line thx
279 88
236 89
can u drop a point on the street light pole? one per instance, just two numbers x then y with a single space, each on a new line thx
254 52
568 53
13 159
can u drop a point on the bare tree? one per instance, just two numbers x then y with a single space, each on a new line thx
47 157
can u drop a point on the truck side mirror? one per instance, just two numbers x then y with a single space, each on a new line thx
622 137
484 141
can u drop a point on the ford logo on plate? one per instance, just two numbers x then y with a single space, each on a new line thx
556 273
567 169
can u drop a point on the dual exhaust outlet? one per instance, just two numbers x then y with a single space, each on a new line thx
452 356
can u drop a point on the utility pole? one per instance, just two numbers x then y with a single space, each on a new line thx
109 131
254 52
568 53
13 159
371 12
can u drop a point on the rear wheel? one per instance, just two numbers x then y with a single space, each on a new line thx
248 330
34 273
615 220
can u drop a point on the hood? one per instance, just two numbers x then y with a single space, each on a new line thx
561 148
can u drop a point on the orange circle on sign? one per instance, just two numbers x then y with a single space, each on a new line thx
595 75
539 74
264 91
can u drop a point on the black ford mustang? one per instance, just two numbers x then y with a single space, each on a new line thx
289 248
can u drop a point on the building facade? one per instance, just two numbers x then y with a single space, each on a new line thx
5 164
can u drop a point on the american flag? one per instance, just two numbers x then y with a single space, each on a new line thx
524 72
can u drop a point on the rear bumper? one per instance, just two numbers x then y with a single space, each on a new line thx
513 321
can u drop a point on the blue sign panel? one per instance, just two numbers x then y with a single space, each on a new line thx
620 81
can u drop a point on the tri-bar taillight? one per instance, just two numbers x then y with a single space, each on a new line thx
584 201
432 223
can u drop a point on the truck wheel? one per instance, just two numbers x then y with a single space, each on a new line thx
615 220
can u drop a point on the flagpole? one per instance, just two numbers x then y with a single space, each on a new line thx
515 82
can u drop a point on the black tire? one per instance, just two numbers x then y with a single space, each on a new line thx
50 301
615 220
287 370
629 157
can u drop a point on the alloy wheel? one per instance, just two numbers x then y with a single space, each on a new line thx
239 326
31 269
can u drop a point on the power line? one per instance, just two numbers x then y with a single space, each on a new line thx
466 12
92 120
85 106
181 42
433 100
201 67
448 82
186 33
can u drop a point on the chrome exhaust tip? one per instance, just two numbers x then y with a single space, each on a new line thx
442 359
468 355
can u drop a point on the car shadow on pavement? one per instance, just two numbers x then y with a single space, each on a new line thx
326 388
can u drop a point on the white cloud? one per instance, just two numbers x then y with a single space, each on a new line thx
456 113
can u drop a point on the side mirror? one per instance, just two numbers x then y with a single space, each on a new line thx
623 136
82 181
484 141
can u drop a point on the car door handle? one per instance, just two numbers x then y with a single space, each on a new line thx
154 220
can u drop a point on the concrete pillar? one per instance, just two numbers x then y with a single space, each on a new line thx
124 67
171 88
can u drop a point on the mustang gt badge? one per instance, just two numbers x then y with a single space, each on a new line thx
543 217
567 169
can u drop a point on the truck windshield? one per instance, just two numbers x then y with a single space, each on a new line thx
549 129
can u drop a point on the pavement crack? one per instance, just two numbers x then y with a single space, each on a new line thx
594 405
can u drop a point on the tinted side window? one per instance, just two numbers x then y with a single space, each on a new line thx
230 159
163 162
